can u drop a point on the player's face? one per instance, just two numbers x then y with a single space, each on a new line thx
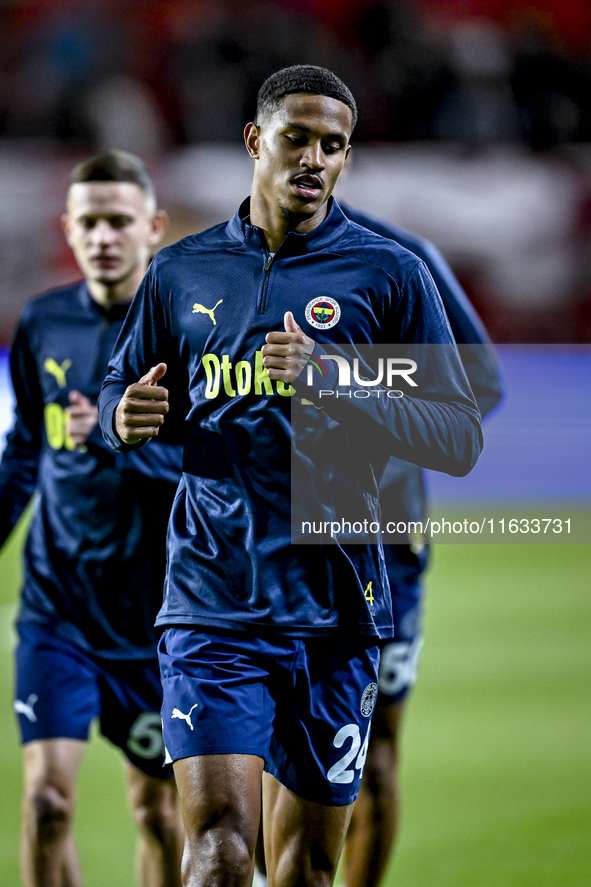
300 151
111 227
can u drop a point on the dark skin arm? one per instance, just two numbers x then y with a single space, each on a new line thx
143 408
286 353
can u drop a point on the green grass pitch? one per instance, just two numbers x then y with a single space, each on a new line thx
496 747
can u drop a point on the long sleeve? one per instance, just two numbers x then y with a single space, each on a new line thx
141 344
435 424
20 460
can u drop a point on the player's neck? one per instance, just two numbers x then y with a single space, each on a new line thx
275 224
123 291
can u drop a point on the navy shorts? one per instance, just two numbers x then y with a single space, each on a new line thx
61 689
399 660
303 705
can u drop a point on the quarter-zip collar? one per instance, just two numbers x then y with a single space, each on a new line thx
116 311
331 229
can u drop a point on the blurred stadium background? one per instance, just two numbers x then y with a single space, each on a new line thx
474 131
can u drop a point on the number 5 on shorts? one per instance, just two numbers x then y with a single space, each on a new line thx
145 737
339 772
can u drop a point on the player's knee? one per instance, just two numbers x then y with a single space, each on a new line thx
312 867
220 855
321 871
380 777
50 810
158 819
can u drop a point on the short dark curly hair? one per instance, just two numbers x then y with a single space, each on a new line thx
303 78
115 166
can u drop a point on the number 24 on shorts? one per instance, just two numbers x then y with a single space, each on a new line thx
340 771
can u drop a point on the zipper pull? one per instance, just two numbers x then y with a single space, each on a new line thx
269 261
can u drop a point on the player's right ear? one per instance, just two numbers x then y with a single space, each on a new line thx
251 139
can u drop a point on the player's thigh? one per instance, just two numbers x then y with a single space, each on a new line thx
383 753
217 719
56 694
387 720
154 801
302 839
220 793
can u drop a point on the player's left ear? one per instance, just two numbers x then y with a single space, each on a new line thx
66 228
251 139
159 224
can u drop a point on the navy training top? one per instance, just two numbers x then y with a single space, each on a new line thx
204 309
95 554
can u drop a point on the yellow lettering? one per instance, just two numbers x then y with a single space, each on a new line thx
56 427
285 390
243 372
261 376
212 372
241 376
226 367
368 594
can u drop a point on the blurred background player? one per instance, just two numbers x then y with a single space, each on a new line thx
95 554
374 821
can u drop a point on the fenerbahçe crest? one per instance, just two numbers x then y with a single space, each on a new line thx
323 313
368 699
